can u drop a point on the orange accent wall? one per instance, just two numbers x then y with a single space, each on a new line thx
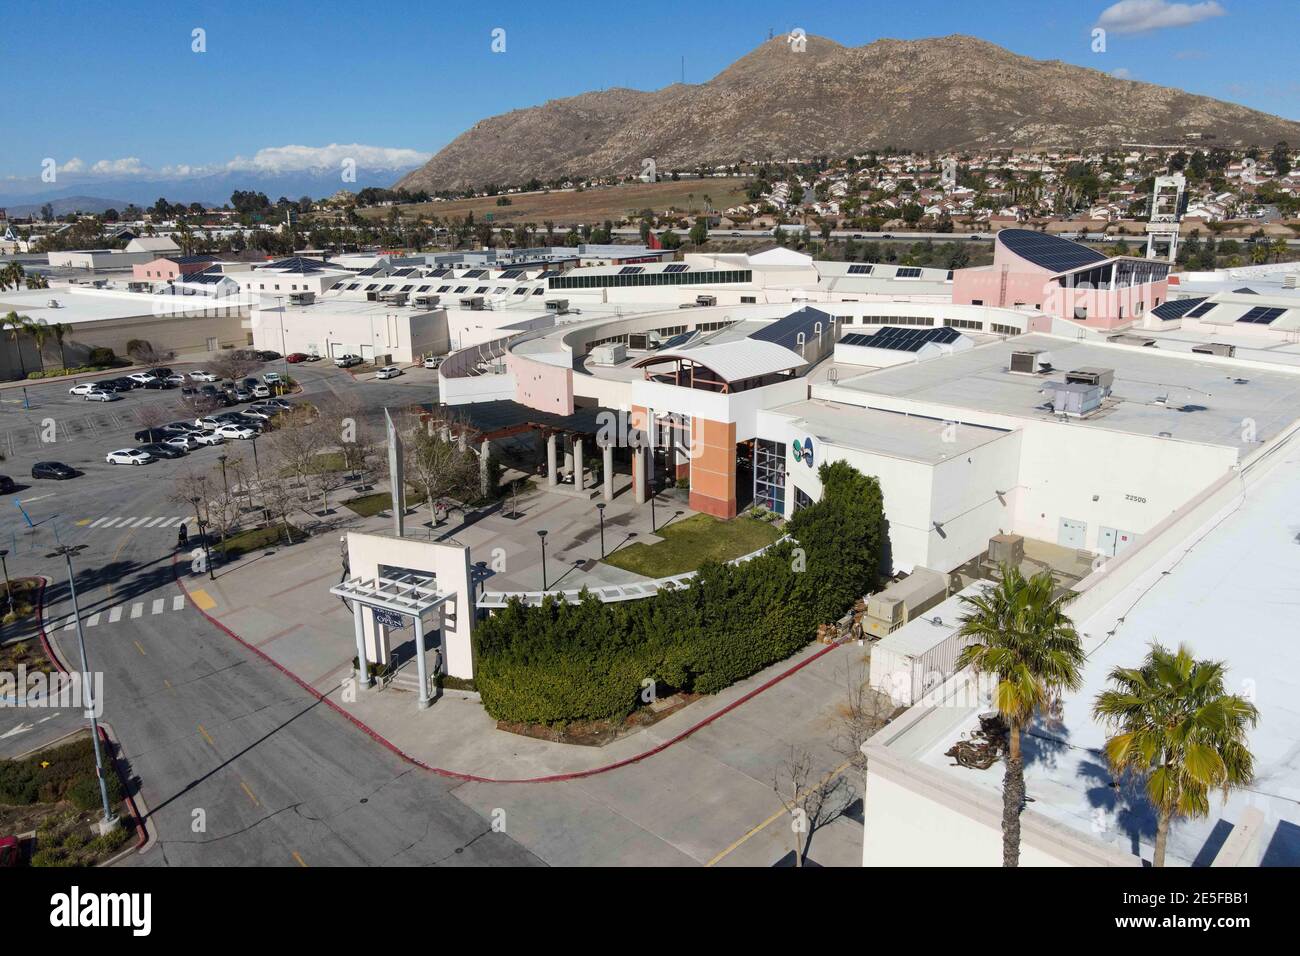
713 469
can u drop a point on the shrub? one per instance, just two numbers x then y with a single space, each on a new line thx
561 662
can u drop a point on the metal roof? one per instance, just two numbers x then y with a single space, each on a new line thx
734 361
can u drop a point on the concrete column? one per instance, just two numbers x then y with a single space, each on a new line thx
552 479
363 672
609 472
579 477
484 470
421 665
568 455
639 456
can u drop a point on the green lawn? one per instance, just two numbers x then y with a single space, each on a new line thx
370 505
256 539
691 541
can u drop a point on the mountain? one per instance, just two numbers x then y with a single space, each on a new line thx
211 190
941 93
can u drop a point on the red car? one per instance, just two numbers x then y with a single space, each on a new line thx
10 851
296 357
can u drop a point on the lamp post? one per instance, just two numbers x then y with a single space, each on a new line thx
198 519
653 527
542 536
9 589
600 508
66 552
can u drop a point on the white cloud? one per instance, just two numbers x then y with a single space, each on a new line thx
284 159
127 166
1123 73
74 165
1142 16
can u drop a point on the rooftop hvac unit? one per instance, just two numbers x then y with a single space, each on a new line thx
1006 549
706 300
302 298
610 354
1103 377
426 299
396 298
557 306
1289 281
1124 338
903 600
472 302
1031 362
1215 348
372 296
1073 399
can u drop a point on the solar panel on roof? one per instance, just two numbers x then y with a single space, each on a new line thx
1261 315
1245 290
1048 252
1176 308
786 331
859 270
549 274
512 273
908 272
678 340
630 270
901 339
677 267
1200 310
475 274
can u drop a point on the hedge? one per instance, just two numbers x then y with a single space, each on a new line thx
560 662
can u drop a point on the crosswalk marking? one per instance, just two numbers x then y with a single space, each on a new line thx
178 602
158 606
134 521
137 609
92 620
115 614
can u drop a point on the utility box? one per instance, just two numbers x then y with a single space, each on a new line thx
557 306
611 354
1091 375
1031 362
706 300
1073 399
1007 549
901 601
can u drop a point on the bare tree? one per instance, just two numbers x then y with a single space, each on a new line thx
145 354
233 365
438 465
811 803
863 711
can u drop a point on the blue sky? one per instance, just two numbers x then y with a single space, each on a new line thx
108 83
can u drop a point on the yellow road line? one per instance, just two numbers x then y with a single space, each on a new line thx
250 793
299 859
83 522
167 684
113 560
206 735
139 648
780 813
202 599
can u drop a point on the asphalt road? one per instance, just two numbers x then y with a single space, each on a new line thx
236 764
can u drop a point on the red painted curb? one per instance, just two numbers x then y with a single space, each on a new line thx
474 778
142 835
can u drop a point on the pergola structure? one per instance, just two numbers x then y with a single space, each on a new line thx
410 595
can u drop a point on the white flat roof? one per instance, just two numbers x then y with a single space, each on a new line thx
1229 590
1205 400
908 437
78 305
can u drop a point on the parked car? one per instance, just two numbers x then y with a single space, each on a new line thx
7 485
56 470
388 371
101 396
142 378
433 361
348 360
209 422
183 442
273 378
157 383
162 450
199 375
237 431
117 384
208 437
147 435
175 379
182 428
293 358
239 418
85 388
261 414
266 355
279 403
243 394
128 456
261 391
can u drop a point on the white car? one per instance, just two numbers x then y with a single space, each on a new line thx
433 361
261 391
183 442
198 375
209 423
98 396
128 456
258 412
208 438
272 378
388 371
236 431
142 378
85 388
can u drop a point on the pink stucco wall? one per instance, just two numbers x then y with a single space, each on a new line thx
1008 285
548 388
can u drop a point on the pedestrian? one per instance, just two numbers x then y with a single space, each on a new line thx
182 536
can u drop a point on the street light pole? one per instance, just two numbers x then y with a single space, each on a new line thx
600 508
653 528
66 552
542 536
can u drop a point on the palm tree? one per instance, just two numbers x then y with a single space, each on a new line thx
61 329
17 324
1177 728
41 332
1020 633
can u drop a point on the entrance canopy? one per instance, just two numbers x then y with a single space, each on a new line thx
411 594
